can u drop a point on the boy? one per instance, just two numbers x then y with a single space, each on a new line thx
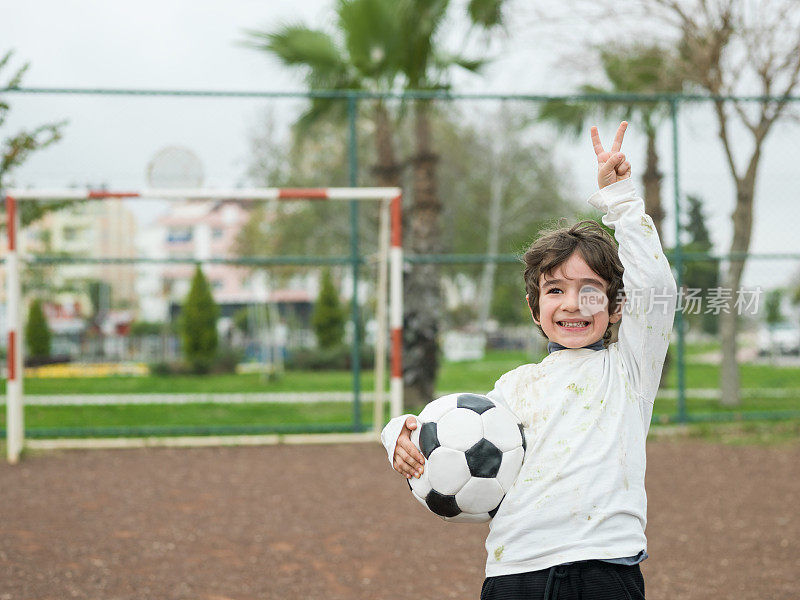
572 526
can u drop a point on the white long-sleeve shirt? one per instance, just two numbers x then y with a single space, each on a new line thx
580 493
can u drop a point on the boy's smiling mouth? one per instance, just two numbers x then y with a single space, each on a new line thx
573 324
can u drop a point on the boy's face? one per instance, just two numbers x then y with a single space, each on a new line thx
573 306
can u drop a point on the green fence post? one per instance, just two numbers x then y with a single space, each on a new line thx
352 110
678 261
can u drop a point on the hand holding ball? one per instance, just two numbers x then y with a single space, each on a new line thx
474 450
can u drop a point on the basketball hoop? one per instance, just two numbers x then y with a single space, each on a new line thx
175 167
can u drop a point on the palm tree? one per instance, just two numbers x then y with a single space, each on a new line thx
360 55
426 67
637 69
379 45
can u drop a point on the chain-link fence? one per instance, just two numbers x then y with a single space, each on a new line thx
481 176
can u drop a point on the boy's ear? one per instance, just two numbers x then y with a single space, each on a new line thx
528 302
617 314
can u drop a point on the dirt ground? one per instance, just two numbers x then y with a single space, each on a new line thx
334 522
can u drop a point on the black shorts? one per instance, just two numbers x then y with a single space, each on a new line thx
586 579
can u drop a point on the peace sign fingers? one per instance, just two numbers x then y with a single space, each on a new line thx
598 145
612 166
615 147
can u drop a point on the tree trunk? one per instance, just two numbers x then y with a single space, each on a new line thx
386 169
742 227
421 283
652 185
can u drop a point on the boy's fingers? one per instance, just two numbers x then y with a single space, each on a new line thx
611 164
596 143
408 466
408 460
618 137
413 454
403 469
401 466
407 454
412 451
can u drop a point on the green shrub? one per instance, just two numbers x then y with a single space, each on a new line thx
141 328
339 358
226 360
160 369
199 325
37 333
329 317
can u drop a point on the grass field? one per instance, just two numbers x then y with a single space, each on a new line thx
473 376
478 376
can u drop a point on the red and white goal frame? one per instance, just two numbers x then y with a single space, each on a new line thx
391 252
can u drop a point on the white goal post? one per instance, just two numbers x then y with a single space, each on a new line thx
390 251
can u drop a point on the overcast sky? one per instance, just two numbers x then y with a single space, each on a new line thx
182 44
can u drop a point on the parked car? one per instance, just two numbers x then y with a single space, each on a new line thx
780 338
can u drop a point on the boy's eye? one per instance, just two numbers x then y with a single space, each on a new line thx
555 289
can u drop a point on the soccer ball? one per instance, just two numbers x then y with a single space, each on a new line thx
473 452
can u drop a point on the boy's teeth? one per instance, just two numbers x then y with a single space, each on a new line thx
582 324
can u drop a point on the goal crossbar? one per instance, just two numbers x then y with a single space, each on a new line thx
391 252
240 194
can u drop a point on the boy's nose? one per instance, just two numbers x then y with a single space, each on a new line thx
569 301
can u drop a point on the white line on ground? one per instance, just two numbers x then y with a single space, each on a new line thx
200 441
251 398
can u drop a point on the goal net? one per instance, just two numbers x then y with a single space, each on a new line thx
261 314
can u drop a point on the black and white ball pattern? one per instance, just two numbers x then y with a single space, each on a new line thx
473 452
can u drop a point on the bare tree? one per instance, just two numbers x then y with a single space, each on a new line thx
521 183
728 48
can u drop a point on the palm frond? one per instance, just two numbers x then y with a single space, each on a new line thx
474 65
486 13
643 68
372 36
566 116
321 110
300 46
421 20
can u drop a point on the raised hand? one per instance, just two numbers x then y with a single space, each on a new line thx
611 164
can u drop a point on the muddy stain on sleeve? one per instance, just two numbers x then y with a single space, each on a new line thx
631 397
578 390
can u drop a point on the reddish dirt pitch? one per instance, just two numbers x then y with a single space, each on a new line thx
334 522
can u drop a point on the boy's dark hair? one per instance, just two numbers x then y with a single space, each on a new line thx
554 246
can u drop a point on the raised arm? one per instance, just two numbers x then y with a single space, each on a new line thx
650 289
